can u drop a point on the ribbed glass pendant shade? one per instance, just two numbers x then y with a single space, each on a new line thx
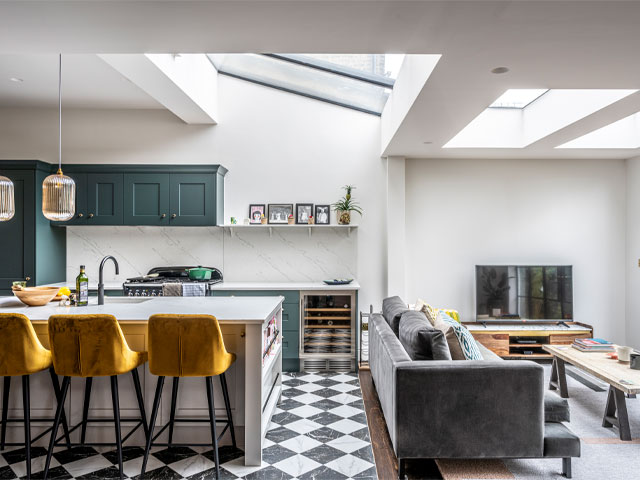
7 201
58 197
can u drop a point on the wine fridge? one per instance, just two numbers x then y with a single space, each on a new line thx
327 336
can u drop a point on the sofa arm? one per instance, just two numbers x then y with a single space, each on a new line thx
469 409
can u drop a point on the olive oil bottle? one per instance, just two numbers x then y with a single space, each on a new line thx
82 288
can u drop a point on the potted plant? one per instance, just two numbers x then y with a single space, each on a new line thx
311 220
263 219
345 206
290 219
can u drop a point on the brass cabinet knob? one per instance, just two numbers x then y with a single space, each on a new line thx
91 215
80 215
173 215
163 215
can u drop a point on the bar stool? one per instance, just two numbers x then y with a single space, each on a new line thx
22 354
93 346
188 346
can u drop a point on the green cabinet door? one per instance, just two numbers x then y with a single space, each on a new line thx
17 236
80 218
146 199
193 199
105 199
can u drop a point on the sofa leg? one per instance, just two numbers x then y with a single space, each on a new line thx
402 467
566 467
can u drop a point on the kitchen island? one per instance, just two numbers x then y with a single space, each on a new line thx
254 380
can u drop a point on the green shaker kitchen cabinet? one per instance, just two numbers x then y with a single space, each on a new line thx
160 195
29 245
105 200
193 199
146 199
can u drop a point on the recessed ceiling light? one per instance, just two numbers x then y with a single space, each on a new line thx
427 143
499 70
16 80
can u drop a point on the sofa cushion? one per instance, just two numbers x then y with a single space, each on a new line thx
392 309
430 312
556 409
560 442
420 339
487 354
461 343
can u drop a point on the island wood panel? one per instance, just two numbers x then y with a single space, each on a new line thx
498 343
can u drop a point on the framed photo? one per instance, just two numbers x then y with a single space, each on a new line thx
255 213
323 214
279 212
303 212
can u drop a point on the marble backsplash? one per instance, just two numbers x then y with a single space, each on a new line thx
244 254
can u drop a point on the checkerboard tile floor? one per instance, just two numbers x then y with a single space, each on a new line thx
318 432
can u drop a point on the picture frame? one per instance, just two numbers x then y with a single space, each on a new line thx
303 212
256 210
323 214
279 213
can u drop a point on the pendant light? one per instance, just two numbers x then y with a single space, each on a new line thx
59 191
7 205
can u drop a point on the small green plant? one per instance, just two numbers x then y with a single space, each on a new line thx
346 205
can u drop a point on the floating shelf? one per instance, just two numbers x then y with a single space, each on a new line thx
272 226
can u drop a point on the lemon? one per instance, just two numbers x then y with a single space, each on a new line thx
64 291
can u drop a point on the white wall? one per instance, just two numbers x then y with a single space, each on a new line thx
278 147
460 213
633 251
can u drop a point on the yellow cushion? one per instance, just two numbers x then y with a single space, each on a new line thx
187 346
90 346
21 353
432 312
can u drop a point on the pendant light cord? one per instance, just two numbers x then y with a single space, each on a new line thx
60 113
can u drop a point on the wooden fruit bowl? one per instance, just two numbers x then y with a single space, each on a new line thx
35 296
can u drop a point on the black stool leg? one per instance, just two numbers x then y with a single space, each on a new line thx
85 408
116 419
212 421
5 410
56 390
66 381
143 415
227 405
154 415
26 405
174 400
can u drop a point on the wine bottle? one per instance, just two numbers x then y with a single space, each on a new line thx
82 288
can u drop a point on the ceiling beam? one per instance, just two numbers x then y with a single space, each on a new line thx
184 84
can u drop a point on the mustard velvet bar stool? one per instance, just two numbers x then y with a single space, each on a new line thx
188 346
91 346
22 354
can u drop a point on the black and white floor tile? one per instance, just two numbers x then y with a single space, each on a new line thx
318 432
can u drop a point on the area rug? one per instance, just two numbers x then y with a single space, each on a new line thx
318 432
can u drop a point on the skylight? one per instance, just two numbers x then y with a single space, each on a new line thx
624 133
358 81
518 97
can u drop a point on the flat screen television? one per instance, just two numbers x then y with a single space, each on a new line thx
507 292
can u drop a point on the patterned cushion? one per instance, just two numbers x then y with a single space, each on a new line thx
428 310
467 343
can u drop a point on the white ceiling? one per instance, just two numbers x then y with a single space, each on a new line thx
560 44
87 82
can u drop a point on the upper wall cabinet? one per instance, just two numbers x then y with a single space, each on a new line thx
148 194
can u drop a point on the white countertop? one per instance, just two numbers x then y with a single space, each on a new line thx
225 309
239 286
283 286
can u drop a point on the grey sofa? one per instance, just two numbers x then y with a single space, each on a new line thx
466 408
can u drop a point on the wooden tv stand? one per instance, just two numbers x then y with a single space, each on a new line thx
504 337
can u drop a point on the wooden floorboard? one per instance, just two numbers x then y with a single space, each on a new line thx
386 462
